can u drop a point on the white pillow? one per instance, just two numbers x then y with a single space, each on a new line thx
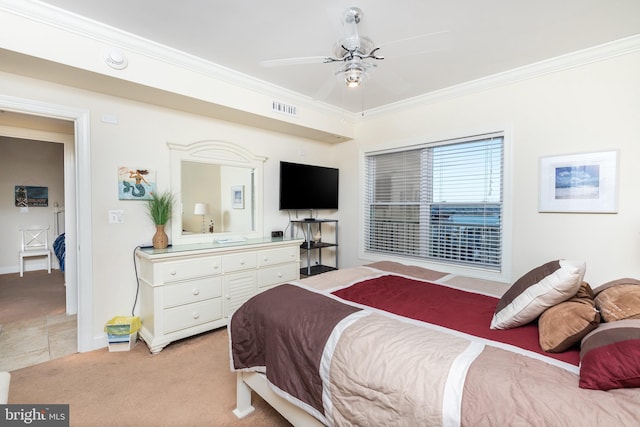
539 289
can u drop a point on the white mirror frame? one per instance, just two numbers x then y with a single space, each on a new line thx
219 153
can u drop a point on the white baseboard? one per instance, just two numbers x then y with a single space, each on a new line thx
29 267
99 342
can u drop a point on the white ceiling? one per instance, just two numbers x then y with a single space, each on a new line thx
474 39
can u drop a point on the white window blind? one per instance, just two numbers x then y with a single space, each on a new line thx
442 202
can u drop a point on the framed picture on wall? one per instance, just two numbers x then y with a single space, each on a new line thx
27 195
579 183
237 196
135 183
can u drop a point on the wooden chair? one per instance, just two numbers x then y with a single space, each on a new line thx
35 242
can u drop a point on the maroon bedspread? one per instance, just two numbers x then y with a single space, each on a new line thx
451 308
348 366
262 330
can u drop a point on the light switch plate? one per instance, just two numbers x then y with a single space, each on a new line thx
116 216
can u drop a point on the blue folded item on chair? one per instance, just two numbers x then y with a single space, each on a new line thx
59 250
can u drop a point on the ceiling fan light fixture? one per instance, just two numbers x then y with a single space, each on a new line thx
353 77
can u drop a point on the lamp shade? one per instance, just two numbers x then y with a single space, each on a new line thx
200 209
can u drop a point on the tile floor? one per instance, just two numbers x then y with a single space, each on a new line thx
30 342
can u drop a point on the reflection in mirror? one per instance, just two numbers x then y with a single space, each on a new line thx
218 192
223 196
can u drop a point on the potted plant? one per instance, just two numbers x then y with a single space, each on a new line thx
160 208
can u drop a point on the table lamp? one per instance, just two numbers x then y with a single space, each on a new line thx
200 209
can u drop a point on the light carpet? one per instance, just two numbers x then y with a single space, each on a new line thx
36 294
187 384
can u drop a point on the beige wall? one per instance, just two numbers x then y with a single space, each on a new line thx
202 180
591 108
140 138
34 163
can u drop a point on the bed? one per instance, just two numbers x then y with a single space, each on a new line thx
391 344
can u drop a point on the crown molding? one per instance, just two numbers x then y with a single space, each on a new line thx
72 23
76 24
572 60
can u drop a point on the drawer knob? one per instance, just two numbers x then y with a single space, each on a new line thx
196 291
196 316
173 272
280 275
242 262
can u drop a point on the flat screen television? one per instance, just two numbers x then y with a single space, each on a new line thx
308 187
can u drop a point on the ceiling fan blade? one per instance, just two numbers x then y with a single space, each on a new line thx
325 90
293 61
395 83
438 41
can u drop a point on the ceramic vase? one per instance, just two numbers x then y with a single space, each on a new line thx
160 239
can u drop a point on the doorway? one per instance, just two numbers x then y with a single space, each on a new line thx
78 275
33 314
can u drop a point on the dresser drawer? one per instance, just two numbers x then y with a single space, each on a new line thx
239 287
187 269
192 291
238 262
278 256
186 292
271 276
191 315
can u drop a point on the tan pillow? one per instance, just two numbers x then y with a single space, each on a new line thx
565 324
619 300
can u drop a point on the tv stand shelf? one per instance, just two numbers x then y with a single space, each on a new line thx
316 269
310 245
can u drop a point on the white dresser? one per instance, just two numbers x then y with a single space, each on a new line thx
190 289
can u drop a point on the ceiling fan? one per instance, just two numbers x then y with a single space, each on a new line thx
356 53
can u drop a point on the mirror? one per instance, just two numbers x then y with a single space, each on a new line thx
218 191
217 198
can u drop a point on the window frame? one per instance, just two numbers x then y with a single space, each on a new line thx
504 273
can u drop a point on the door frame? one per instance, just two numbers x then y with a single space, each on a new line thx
77 191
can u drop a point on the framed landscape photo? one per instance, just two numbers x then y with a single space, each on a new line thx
579 183
237 196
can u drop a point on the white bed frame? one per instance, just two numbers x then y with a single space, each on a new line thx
58 218
253 381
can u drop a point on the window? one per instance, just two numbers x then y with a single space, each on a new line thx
440 201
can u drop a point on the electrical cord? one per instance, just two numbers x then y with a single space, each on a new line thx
284 232
135 268
298 228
